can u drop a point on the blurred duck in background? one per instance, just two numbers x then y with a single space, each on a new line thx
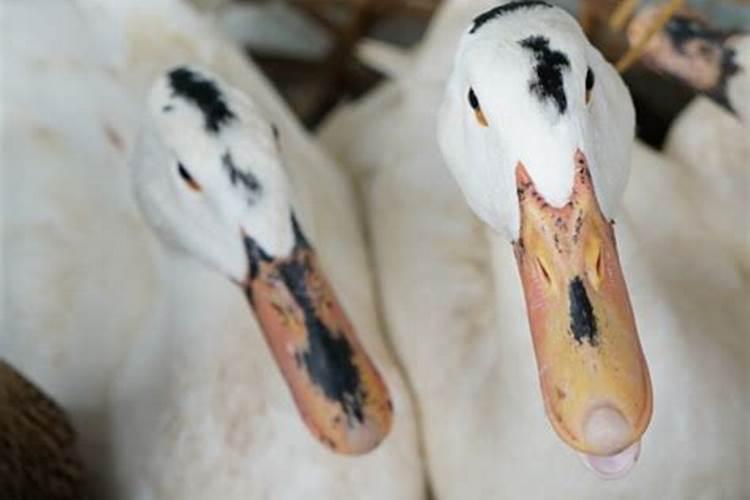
537 130
711 137
145 316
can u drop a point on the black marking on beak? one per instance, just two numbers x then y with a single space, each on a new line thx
328 358
255 255
582 319
243 178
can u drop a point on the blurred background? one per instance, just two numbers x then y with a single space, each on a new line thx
308 48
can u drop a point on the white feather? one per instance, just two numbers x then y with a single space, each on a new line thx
455 312
97 311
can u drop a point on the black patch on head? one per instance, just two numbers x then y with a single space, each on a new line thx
205 94
275 131
547 82
582 319
683 29
238 177
507 8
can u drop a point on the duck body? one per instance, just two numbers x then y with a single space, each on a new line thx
150 351
459 326
709 137
712 145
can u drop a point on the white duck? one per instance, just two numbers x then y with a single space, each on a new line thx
458 322
709 137
98 310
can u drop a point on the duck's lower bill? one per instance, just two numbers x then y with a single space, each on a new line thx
594 377
613 466
337 389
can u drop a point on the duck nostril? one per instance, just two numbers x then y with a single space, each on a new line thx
594 264
543 270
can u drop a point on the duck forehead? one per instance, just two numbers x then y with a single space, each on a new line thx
505 33
517 23
198 134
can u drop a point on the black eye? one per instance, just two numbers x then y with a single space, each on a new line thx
589 83
187 177
474 103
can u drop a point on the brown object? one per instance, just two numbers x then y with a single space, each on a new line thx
38 459
313 88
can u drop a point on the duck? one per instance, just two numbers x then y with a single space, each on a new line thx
33 426
689 48
446 212
708 137
174 244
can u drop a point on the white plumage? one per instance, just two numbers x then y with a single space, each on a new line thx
156 357
455 313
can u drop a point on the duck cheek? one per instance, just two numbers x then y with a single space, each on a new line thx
337 389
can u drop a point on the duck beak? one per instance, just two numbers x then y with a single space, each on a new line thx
594 378
337 389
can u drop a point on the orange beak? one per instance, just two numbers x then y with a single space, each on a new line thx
594 378
337 389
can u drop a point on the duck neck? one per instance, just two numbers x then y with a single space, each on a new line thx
199 304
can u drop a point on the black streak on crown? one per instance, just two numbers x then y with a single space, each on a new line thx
205 94
507 8
245 179
548 81
582 319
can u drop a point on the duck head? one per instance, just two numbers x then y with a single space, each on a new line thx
537 127
209 179
708 59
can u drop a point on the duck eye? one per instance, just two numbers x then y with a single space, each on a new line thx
474 103
589 84
185 175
